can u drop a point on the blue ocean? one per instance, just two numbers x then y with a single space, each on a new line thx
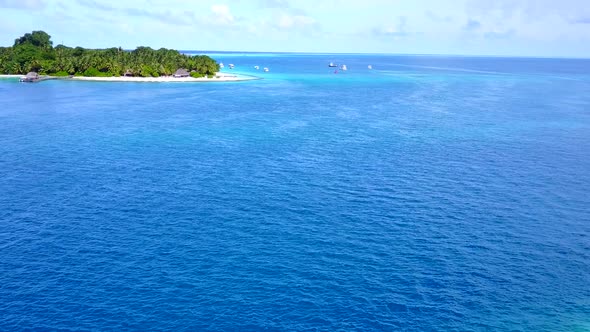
430 193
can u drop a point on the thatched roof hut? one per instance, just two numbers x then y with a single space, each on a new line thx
181 73
30 77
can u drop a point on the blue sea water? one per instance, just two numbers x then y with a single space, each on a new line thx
428 194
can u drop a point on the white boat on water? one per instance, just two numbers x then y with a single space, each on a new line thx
256 67
266 70
344 68
231 66
332 65
221 65
370 67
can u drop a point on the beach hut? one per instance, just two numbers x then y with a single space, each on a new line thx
181 73
30 77
128 73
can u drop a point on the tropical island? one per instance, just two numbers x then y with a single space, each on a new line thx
35 54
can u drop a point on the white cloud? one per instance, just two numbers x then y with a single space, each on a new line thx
221 15
534 20
393 30
284 4
286 21
23 4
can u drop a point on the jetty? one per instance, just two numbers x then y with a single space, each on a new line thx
33 77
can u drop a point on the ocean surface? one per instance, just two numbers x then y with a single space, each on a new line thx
428 194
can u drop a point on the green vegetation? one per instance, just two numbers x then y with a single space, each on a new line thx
35 52
197 75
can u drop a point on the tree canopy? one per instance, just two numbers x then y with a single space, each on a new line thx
35 52
36 38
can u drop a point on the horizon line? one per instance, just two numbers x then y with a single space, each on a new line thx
395 54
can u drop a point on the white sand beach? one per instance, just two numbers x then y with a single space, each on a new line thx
219 77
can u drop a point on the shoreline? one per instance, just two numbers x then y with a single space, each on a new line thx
219 77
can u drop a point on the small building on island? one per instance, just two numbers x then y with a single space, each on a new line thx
128 73
181 73
30 77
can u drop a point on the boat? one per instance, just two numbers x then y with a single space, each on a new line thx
231 66
332 65
256 67
370 67
266 70
221 65
343 68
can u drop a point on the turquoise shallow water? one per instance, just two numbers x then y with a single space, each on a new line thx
429 194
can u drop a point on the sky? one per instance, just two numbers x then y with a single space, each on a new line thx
545 28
